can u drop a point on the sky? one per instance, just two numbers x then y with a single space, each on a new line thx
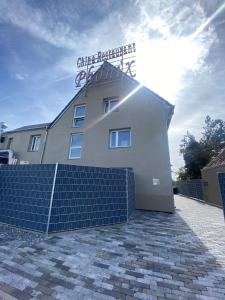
180 56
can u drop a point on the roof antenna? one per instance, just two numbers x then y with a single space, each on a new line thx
3 126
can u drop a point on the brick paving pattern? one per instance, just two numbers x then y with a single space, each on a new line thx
154 256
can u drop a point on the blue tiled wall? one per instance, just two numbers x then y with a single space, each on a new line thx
83 196
191 188
221 177
25 192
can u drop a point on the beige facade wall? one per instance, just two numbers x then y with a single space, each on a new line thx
211 190
148 154
20 145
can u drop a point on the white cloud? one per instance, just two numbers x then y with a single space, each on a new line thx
38 23
166 50
20 76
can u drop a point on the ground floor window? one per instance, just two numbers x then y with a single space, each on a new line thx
76 145
120 138
35 143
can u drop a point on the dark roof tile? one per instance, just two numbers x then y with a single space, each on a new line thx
29 127
217 161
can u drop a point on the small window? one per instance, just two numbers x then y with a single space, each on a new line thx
79 115
9 145
35 142
111 105
76 145
120 138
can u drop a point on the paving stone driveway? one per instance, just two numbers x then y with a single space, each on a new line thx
154 256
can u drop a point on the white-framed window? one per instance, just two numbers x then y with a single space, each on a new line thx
35 143
76 143
79 115
110 105
120 138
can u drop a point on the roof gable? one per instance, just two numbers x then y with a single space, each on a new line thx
116 74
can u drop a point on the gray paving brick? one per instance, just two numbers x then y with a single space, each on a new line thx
154 256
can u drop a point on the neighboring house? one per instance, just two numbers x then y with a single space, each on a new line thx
101 126
26 142
211 190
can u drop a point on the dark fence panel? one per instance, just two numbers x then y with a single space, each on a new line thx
25 192
221 177
38 197
87 197
190 188
130 191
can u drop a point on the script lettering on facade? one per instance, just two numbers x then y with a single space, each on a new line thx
122 58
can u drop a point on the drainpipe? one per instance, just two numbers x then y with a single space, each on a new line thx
43 151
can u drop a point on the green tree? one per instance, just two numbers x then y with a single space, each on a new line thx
197 154
182 174
213 136
194 156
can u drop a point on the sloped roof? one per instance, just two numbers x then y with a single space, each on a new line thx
217 161
29 127
106 64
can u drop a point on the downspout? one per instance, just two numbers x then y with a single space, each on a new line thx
10 156
43 151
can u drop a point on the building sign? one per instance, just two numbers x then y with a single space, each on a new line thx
123 58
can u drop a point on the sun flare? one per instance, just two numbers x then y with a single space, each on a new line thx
164 58
161 64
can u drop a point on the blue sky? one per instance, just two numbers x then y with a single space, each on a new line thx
180 55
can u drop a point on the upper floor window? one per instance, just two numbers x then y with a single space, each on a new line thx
35 142
76 145
79 115
111 105
120 138
9 145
